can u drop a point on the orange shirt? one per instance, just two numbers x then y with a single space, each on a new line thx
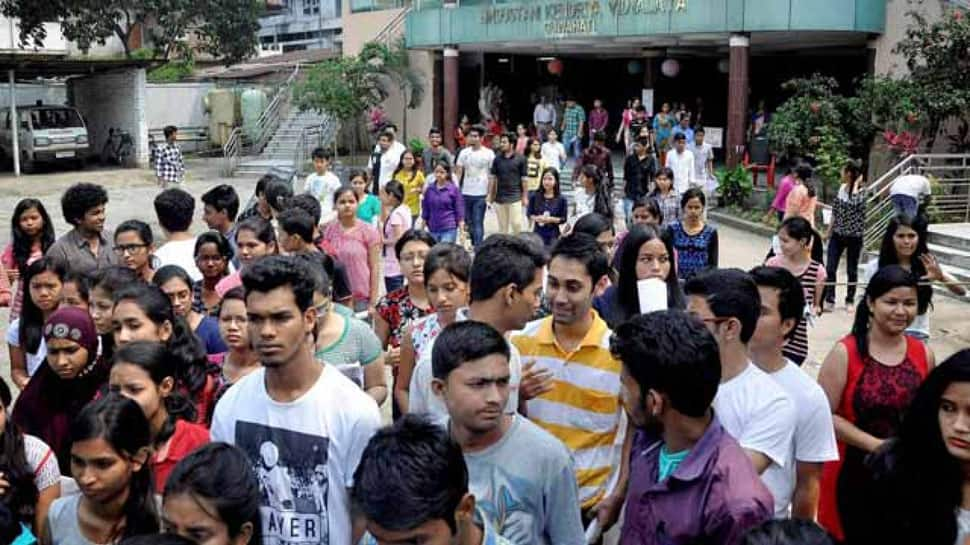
800 204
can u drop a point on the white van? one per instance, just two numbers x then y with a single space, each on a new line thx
48 134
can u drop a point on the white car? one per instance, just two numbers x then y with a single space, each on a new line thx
48 134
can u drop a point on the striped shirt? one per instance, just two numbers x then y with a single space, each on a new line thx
583 408
797 347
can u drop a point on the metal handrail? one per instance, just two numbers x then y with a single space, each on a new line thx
312 137
952 170
266 125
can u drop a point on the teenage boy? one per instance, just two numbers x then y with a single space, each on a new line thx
297 229
690 481
599 156
384 160
506 289
411 486
750 406
573 125
683 127
174 208
782 306
83 249
508 190
703 158
322 183
639 169
303 425
169 166
529 499
220 206
435 153
599 119
472 169
570 375
681 161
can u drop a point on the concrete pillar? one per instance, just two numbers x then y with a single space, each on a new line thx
740 45
14 123
871 47
450 95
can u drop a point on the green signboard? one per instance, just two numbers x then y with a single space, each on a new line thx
551 20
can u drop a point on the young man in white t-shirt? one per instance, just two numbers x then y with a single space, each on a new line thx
471 375
750 406
303 425
472 170
506 290
175 208
322 184
681 161
782 306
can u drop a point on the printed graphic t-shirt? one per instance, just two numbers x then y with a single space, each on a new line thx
304 453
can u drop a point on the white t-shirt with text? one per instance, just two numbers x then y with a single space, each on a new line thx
476 166
757 412
304 453
814 437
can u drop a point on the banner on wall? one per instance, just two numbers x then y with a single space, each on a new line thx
714 136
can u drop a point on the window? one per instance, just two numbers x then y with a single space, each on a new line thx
375 5
311 7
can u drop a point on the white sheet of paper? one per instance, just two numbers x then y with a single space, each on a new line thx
653 295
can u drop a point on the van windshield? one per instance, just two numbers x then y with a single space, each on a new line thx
55 119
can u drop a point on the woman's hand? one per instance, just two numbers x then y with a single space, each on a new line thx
933 270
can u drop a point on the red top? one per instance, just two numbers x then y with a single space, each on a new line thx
874 399
187 437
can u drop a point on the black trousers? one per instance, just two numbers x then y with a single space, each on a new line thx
852 246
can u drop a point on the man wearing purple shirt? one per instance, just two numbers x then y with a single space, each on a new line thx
599 119
690 482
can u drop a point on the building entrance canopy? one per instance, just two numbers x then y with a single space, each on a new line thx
509 24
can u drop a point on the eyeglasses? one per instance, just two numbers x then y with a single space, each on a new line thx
129 249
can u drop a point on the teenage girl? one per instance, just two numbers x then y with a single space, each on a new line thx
32 233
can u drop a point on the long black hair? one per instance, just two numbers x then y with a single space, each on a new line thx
121 423
221 474
155 360
31 317
21 498
919 480
187 353
21 242
888 255
886 279
627 299
602 203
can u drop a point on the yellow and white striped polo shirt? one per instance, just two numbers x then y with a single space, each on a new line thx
583 408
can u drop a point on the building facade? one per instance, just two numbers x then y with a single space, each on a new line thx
293 25
723 60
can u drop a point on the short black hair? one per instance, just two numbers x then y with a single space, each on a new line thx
699 130
680 136
264 181
277 193
321 270
276 271
791 296
787 532
169 130
450 257
583 248
477 129
730 293
502 260
175 208
296 221
321 153
673 353
410 473
434 130
79 198
308 203
691 193
413 235
462 342
223 198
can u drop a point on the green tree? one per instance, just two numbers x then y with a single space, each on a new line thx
393 64
224 28
344 88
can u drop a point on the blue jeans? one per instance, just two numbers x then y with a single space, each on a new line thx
393 282
448 235
475 217
904 204
574 146
628 210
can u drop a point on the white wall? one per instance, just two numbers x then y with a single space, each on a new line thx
897 20
115 99
178 104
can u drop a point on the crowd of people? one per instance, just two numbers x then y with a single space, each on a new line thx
226 387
